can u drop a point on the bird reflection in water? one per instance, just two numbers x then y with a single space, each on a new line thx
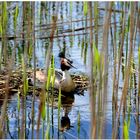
67 103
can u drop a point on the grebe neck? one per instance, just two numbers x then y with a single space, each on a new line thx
66 75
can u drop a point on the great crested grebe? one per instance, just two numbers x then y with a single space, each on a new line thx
62 77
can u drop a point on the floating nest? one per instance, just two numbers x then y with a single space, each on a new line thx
13 83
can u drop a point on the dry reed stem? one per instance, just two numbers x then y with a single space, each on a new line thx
127 75
92 94
115 62
104 54
34 65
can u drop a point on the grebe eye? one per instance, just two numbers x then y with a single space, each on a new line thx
62 61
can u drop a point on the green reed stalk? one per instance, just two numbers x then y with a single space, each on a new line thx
126 130
43 114
50 80
127 122
85 8
48 131
97 72
15 16
52 97
4 29
97 59
47 97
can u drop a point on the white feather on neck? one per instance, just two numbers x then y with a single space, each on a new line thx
66 75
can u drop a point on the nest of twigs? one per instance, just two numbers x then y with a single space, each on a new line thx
12 82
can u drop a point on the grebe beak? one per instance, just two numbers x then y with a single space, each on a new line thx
67 62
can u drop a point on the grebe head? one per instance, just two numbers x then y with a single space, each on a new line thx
66 64
61 55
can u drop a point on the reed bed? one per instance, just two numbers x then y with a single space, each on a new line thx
109 41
